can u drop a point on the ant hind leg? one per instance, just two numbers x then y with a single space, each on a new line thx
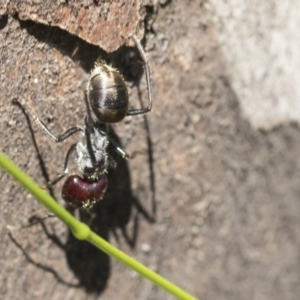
58 138
141 111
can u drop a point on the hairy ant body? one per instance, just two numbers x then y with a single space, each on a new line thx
106 99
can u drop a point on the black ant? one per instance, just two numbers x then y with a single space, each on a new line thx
106 99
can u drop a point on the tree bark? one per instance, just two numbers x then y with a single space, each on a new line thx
217 165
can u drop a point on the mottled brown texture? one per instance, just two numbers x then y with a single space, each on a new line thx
226 196
107 24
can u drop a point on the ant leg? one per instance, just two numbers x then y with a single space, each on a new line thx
122 152
66 165
58 138
141 111
35 220
119 150
113 144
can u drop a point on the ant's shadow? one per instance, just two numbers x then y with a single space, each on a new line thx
125 59
91 266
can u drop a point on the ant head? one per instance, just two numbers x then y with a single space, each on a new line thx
83 193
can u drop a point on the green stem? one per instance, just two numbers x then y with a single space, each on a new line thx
83 232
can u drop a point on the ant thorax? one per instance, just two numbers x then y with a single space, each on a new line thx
93 168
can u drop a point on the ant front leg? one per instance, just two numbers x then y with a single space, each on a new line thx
66 166
35 220
59 138
119 150
122 152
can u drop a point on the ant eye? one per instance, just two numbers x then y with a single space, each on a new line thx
81 192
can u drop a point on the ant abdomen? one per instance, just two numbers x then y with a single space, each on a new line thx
107 94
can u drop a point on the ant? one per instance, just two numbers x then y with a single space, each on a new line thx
107 102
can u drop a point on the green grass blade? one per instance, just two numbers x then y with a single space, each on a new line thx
83 232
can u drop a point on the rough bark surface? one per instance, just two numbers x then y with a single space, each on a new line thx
104 23
225 196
